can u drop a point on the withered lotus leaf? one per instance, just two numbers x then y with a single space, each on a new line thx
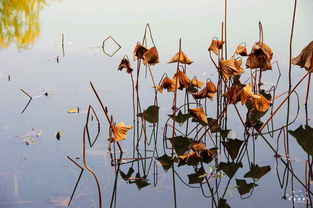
216 45
261 103
242 51
170 84
305 59
207 92
198 114
197 83
125 64
183 79
151 56
246 94
260 57
139 51
231 67
233 94
181 57
120 131
258 101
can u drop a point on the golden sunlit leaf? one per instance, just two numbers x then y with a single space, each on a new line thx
207 92
246 94
231 67
170 84
261 103
216 45
73 110
151 56
120 131
183 79
182 57
125 64
139 51
197 83
260 57
305 59
242 51
198 114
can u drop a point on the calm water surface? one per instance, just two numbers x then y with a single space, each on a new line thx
40 175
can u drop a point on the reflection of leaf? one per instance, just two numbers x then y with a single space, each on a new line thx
244 187
180 117
232 146
181 144
304 138
224 133
141 182
166 161
198 147
208 155
128 175
257 172
151 114
213 124
191 159
229 168
197 177
223 204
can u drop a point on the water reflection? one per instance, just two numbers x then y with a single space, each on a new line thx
20 22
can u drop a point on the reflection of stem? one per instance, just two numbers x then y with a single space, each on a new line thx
90 170
174 185
281 104
79 177
30 99
307 100
63 45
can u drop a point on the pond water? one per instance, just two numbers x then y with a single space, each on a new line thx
35 170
